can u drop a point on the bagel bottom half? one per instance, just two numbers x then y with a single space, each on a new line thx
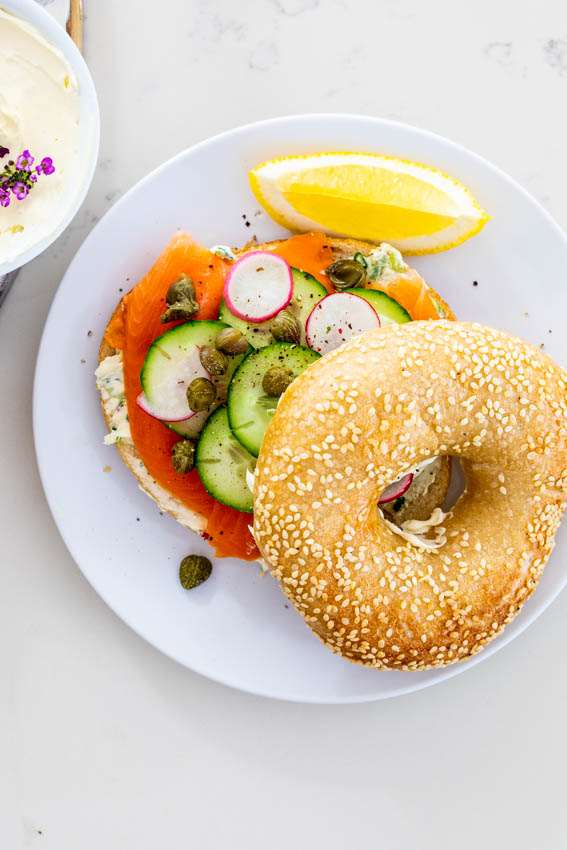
166 501
352 424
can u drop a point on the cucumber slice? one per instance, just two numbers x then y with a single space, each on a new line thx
164 357
222 463
249 408
390 312
307 291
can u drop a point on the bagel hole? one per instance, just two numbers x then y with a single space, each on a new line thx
439 486
457 485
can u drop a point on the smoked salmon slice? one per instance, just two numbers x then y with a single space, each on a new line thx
309 252
411 291
226 528
136 324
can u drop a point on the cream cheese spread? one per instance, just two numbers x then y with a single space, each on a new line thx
385 263
414 530
110 383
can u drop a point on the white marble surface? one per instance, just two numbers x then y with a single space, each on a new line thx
58 8
104 743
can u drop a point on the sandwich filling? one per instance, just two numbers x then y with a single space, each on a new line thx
232 367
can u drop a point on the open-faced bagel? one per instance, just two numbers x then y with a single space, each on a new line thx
352 424
166 501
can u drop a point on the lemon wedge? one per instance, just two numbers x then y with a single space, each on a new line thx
416 208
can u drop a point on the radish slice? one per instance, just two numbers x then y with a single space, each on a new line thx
258 286
396 490
337 318
167 400
145 405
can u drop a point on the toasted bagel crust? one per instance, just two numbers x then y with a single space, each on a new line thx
358 419
166 502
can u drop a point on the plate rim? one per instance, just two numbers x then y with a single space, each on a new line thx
442 674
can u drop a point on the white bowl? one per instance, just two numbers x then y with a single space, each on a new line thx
89 118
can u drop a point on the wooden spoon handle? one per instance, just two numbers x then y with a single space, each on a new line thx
75 22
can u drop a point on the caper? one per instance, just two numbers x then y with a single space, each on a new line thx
180 290
181 300
214 361
286 327
200 394
194 570
231 341
180 310
183 456
346 274
276 381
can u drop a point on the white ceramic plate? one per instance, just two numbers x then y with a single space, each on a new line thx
89 119
237 628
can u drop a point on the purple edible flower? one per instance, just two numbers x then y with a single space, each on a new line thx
25 161
18 178
45 166
20 190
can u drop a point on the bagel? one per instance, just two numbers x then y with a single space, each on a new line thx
353 423
166 501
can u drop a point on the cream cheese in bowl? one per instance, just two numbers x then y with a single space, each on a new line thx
46 108
39 112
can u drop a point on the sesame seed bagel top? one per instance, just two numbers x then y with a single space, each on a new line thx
353 423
